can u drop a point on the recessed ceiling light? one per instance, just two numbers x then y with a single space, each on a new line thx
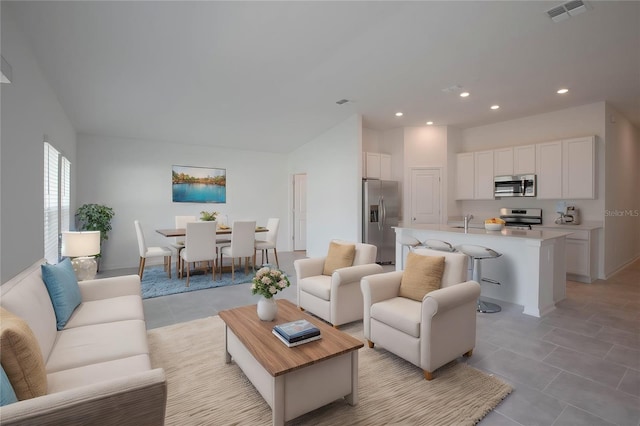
464 94
562 91
399 114
429 123
495 106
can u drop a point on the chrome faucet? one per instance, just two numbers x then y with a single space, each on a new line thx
467 219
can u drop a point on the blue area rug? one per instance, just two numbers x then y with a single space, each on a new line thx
155 281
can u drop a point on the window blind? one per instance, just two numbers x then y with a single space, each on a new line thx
57 189
65 197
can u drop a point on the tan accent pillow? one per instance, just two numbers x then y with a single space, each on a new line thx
339 256
21 357
422 274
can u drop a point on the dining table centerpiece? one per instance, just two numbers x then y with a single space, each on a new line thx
267 283
206 216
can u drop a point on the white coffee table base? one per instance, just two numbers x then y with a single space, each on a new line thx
295 393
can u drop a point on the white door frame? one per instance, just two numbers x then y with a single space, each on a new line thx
294 217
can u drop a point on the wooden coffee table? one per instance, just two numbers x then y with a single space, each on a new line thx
295 380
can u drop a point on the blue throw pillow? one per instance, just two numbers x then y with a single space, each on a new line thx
7 395
63 289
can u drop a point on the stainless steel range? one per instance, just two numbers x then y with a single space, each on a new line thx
521 218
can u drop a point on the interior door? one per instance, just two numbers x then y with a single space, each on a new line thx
425 195
300 212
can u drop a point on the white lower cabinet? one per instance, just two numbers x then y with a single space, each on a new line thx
578 257
581 253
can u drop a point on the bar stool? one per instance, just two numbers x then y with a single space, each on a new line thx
478 253
439 245
407 241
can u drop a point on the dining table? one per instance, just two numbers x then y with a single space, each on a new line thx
181 232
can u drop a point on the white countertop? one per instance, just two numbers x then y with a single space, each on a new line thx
535 234
585 226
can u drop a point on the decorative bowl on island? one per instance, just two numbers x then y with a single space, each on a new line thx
493 224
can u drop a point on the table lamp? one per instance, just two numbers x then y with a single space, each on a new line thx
82 248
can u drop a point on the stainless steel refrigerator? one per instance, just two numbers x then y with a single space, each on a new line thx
380 210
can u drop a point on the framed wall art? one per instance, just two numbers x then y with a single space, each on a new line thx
198 184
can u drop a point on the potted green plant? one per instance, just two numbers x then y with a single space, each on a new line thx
95 217
208 216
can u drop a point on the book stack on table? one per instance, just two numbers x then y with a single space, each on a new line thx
296 333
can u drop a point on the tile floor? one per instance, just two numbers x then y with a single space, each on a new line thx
579 365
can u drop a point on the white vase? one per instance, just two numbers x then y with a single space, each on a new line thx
267 309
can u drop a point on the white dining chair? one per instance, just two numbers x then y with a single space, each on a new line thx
147 252
269 242
178 244
200 246
242 245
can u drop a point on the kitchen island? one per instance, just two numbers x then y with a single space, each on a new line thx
531 270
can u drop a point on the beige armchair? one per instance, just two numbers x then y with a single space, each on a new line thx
429 333
335 298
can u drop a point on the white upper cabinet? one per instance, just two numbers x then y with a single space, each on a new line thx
503 162
549 170
566 169
377 165
385 166
524 160
464 176
372 165
483 173
578 166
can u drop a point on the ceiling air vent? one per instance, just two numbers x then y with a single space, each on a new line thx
566 10
575 7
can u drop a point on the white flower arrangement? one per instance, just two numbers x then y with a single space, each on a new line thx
269 281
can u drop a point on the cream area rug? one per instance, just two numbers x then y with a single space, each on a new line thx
203 390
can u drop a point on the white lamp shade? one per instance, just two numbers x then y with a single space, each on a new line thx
85 243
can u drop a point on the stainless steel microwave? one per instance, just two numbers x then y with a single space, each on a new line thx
514 186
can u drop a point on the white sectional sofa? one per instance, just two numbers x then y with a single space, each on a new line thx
98 370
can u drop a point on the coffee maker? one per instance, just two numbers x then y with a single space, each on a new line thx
572 216
569 215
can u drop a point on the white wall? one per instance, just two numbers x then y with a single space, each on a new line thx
134 178
454 142
30 110
372 141
424 147
333 164
622 200
393 141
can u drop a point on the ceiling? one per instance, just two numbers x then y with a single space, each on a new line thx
266 75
